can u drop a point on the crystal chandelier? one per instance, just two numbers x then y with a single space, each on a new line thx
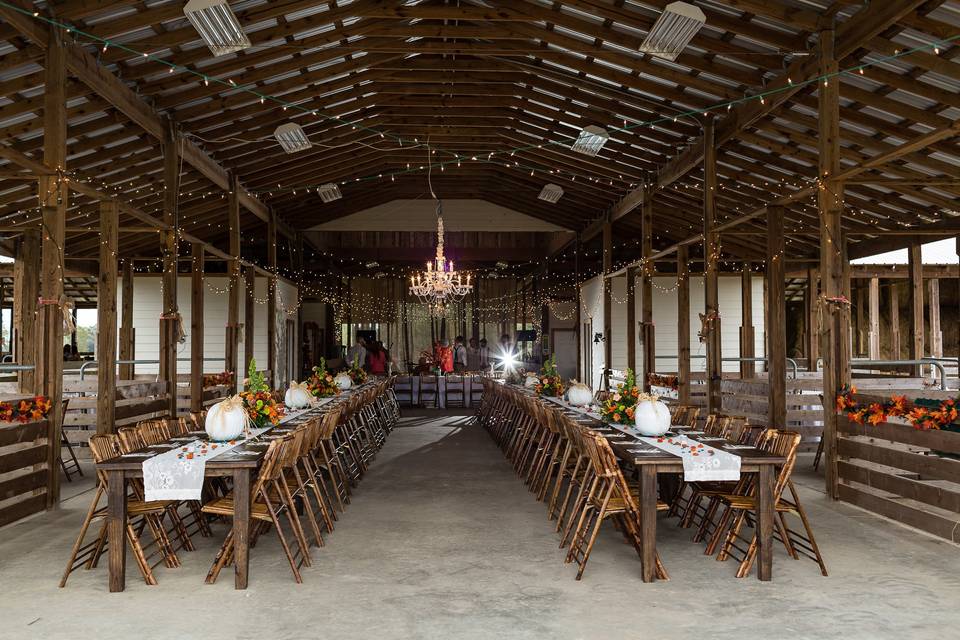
440 285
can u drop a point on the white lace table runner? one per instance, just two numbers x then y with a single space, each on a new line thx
701 462
178 474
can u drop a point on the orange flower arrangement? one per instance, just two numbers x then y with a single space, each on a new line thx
321 384
619 407
32 410
920 416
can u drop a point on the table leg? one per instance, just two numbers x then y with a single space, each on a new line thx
117 528
648 522
241 526
765 516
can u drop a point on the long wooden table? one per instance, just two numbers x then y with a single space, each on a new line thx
240 463
650 466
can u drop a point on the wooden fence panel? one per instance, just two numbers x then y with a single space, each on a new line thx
902 473
24 475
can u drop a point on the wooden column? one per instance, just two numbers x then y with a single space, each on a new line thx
776 321
894 321
474 311
835 328
683 324
272 364
933 306
607 303
127 333
812 333
26 290
873 319
232 345
915 264
249 316
53 196
169 319
632 318
197 267
711 251
107 317
578 296
647 271
747 335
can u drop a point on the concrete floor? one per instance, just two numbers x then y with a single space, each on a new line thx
442 541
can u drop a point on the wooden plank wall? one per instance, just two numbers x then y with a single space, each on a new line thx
23 470
902 473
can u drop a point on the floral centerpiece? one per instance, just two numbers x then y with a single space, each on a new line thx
550 383
620 406
356 372
261 405
30 410
321 384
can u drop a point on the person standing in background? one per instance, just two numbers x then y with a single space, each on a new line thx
445 357
473 355
459 355
484 355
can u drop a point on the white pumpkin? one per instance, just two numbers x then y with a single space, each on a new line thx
226 420
579 395
531 380
343 381
651 417
297 396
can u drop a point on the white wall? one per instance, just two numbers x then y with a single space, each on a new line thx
591 294
147 292
665 320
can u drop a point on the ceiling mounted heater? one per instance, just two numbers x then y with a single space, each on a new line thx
673 30
216 23
551 193
591 140
292 138
329 192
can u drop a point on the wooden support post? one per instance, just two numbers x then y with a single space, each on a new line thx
249 316
873 319
933 306
272 362
53 195
170 322
127 334
683 324
232 345
835 330
607 285
711 256
474 311
632 319
860 342
894 321
647 271
747 335
26 290
915 264
578 296
107 317
776 321
197 268
811 296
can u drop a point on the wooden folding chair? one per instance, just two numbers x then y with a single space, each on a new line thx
70 465
140 516
609 497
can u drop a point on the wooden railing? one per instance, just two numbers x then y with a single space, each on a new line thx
24 474
902 473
